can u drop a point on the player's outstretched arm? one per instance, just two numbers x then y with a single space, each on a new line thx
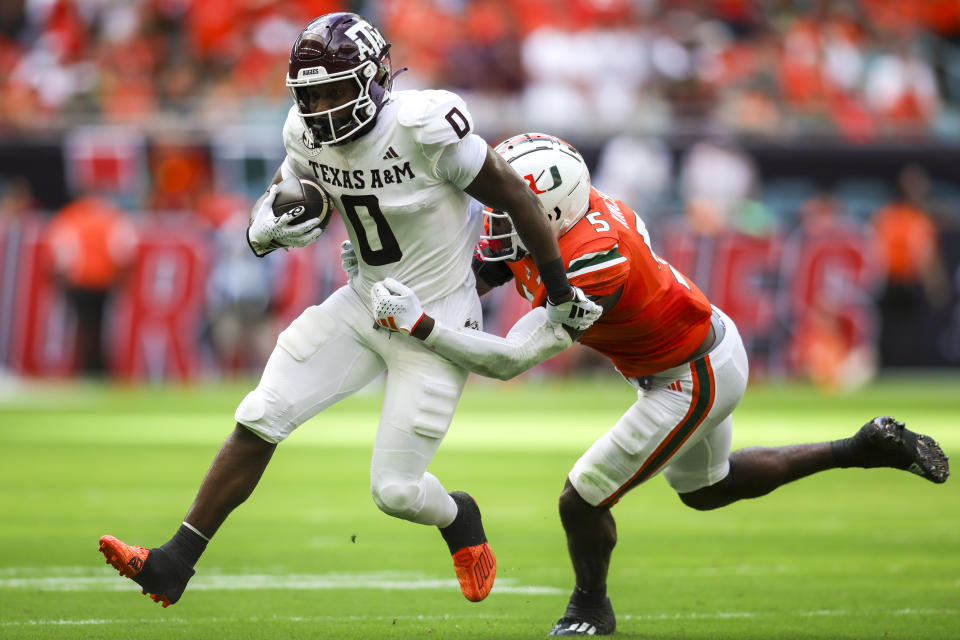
499 187
532 340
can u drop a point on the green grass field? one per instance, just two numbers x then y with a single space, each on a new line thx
846 554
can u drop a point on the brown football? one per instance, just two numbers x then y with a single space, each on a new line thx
305 198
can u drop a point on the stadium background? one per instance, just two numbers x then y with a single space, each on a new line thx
770 145
796 158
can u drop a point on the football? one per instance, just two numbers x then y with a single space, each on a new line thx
305 198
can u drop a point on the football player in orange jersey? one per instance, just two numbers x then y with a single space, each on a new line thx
684 357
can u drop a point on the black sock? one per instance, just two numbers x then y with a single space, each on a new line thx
466 529
588 599
186 545
842 450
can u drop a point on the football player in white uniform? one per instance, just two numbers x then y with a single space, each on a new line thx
401 169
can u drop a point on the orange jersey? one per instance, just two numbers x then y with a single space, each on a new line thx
661 317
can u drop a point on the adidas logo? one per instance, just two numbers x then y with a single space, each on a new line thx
578 628
390 154
675 386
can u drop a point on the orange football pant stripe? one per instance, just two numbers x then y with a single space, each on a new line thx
701 401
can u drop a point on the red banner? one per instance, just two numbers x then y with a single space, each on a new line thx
790 296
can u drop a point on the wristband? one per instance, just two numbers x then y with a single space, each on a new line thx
554 279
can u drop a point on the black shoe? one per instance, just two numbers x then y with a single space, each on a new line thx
885 442
586 621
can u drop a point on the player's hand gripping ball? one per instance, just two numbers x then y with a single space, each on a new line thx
292 213
304 199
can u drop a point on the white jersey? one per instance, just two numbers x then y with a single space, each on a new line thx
399 189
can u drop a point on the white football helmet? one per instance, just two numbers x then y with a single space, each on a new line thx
557 173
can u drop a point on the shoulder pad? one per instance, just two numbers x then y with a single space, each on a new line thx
435 117
598 268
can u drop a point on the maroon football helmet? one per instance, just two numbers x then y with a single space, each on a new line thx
333 48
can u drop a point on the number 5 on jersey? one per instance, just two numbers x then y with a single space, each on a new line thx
600 225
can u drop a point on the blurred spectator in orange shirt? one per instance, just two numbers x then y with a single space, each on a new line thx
90 243
181 173
825 347
917 286
907 236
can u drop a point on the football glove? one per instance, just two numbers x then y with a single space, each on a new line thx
268 232
395 306
348 259
577 313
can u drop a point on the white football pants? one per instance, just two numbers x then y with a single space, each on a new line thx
333 350
680 425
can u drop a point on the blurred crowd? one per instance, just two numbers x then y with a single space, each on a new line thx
859 69
668 96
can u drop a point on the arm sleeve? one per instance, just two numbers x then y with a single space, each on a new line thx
532 340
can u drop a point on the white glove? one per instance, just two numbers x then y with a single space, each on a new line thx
268 232
577 313
348 259
395 306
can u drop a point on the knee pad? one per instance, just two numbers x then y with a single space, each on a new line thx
264 414
396 498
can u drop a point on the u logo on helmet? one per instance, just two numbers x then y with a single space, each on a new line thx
554 173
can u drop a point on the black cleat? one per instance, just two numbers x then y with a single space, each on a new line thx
885 442
584 621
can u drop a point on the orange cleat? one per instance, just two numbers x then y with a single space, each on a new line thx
476 569
163 580
125 558
473 559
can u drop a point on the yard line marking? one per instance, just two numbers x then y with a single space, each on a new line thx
249 619
314 619
720 615
394 581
